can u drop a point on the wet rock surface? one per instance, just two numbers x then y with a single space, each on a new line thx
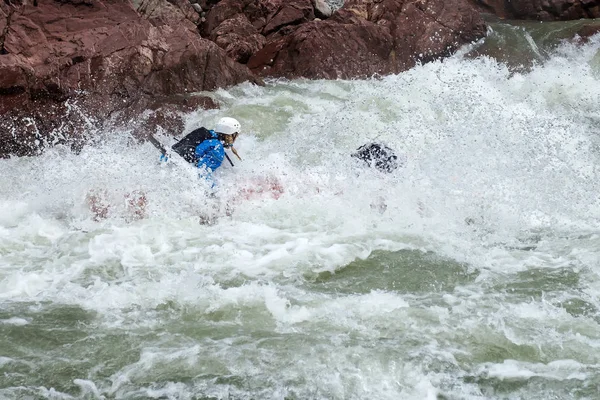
305 38
69 66
366 38
97 57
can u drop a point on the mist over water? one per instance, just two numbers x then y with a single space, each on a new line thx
470 273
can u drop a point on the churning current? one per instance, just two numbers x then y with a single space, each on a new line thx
472 272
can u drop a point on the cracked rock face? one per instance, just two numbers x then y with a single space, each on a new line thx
369 37
160 12
296 38
116 55
64 46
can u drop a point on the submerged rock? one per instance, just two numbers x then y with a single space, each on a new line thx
587 31
378 156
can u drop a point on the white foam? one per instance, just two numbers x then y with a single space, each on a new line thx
501 175
517 370
5 360
88 388
14 321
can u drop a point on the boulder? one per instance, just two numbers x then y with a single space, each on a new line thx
290 13
238 37
161 12
584 34
220 12
241 27
66 66
67 61
369 37
327 50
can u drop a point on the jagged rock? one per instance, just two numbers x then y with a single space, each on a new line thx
65 59
292 13
333 51
112 55
222 11
238 37
165 11
367 37
242 27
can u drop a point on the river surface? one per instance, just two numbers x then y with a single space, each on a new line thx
472 272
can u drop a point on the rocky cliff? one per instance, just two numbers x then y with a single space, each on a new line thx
68 66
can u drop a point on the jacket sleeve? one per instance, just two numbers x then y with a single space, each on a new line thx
204 148
210 154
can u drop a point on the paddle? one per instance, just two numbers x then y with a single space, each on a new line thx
157 144
229 159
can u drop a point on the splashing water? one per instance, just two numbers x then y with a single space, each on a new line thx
471 272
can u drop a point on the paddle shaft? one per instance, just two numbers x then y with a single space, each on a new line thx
157 144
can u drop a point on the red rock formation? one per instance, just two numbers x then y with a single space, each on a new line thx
59 59
242 27
543 10
367 37
238 37
103 56
160 12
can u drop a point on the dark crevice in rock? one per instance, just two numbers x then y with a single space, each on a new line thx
11 91
85 3
281 28
78 59
484 6
48 92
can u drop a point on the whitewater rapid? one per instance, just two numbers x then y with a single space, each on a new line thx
480 279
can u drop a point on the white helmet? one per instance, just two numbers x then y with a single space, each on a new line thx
228 126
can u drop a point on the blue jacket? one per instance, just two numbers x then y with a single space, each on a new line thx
210 153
